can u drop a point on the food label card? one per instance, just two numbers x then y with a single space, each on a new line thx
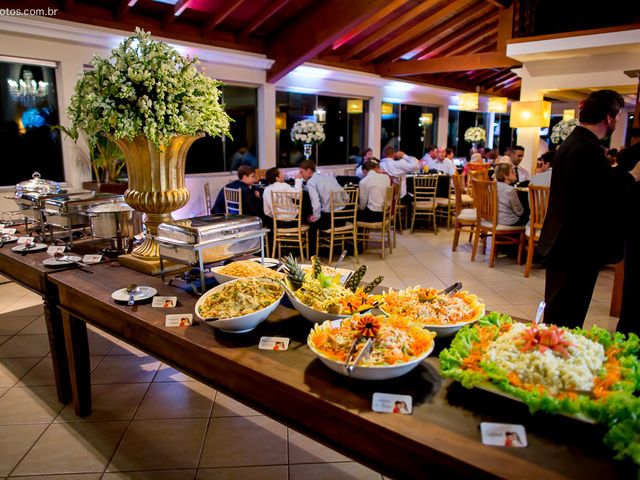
92 258
164 302
391 403
179 320
53 249
9 231
23 240
503 434
273 343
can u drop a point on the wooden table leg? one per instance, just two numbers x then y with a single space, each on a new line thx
616 294
75 335
55 332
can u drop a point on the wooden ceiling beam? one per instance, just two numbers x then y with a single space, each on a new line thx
219 16
491 82
463 48
447 64
447 28
505 27
503 80
500 3
262 16
478 74
455 42
506 85
391 27
305 38
420 28
489 78
174 12
121 9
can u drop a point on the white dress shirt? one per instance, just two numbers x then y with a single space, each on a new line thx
320 188
509 206
267 199
444 166
399 169
542 179
522 174
372 191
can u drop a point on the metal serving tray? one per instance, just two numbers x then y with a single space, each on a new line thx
78 202
198 230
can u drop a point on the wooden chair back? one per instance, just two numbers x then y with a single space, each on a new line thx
233 200
388 212
538 203
344 206
287 206
456 182
425 188
485 200
478 167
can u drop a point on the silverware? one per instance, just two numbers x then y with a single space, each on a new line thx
366 348
451 289
131 290
65 258
342 255
540 312
347 279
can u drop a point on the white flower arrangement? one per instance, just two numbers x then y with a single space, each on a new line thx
562 130
306 131
475 134
146 88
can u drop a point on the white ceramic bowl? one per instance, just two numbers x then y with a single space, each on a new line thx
223 278
378 372
241 324
309 313
445 330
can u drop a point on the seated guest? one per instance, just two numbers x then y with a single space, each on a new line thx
510 210
372 192
543 179
250 197
397 165
319 188
432 154
276 182
442 163
367 155
521 173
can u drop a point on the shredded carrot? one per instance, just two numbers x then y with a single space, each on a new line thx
613 374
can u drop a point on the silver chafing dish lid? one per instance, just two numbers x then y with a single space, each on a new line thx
37 186
77 202
207 228
111 207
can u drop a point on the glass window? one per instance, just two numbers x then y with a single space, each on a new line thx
390 131
225 154
28 108
410 128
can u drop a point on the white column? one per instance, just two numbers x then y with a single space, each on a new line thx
374 125
528 137
443 126
492 122
267 125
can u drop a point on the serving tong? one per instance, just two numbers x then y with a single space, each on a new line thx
364 351
450 290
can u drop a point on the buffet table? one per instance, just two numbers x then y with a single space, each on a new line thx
440 438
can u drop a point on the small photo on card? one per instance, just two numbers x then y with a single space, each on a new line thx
9 231
164 302
503 434
92 258
23 240
179 320
53 249
391 403
273 343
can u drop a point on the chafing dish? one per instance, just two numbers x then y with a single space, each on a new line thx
116 221
208 239
30 196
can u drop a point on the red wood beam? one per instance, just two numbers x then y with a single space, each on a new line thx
420 28
465 47
174 12
219 16
495 81
122 8
481 81
456 41
262 16
505 27
391 27
447 64
305 38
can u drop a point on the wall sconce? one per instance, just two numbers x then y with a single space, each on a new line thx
354 105
468 101
426 119
530 114
320 115
498 104
281 120
387 109
568 114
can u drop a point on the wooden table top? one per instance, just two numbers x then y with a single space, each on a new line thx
440 437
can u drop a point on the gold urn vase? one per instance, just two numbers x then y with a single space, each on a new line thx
156 188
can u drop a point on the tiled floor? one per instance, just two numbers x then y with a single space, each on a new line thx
152 422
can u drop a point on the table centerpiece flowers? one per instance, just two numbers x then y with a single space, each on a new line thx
562 130
307 133
153 103
475 135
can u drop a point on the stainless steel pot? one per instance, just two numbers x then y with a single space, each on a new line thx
115 221
37 185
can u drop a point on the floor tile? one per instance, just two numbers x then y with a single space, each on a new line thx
330 471
73 448
13 369
3 390
37 327
152 475
176 400
15 441
160 444
25 346
32 311
123 348
41 374
244 441
302 449
99 344
277 472
67 476
12 324
125 369
29 405
109 402
4 338
169 374
226 406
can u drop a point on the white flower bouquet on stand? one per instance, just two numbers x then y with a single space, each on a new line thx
562 130
307 133
475 135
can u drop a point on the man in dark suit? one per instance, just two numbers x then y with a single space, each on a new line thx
251 202
583 228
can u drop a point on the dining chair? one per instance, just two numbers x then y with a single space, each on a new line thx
445 206
287 207
424 199
538 203
384 227
477 171
486 201
400 210
344 207
465 217
233 200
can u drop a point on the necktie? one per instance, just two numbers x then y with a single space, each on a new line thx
517 176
